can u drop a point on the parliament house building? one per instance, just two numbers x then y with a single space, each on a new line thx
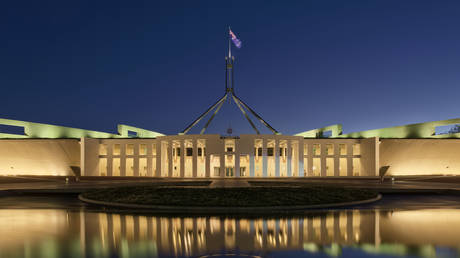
409 150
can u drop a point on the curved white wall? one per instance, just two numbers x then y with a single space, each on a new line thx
420 156
39 156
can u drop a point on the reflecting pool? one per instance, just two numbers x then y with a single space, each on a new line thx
63 227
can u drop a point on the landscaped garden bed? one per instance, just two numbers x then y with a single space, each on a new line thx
229 197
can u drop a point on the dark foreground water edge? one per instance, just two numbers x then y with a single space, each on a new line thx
397 226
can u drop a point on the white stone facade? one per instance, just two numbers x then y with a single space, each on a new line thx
214 156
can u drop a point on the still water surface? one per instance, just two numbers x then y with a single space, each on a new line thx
398 226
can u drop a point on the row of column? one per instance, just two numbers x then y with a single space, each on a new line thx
187 236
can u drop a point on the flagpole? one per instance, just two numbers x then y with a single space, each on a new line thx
229 44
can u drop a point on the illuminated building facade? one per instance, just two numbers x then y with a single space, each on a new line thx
416 149
52 150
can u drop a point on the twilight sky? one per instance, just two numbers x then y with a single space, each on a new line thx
159 64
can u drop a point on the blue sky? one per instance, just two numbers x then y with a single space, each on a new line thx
159 64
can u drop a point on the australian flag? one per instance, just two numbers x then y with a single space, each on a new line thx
235 40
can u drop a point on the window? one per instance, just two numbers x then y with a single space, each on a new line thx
244 164
116 149
200 151
178 152
343 169
154 149
143 149
103 166
189 152
130 167
129 149
143 167
316 149
329 149
329 166
242 171
356 166
357 149
229 145
343 149
132 134
270 152
116 167
216 171
316 167
154 166
102 149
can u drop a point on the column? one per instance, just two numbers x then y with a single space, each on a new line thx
150 160
336 159
264 157
170 159
251 165
182 158
277 157
122 159
222 163
237 158
195 158
289 158
158 159
350 159
207 164
301 158
310 159
323 159
136 160
109 159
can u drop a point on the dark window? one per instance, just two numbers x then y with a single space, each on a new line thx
178 152
259 151
269 151
132 134
199 151
189 152
11 129
281 152
229 149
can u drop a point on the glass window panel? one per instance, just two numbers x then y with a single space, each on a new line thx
356 166
142 149
343 149
116 149
357 149
330 149
316 149
102 149
316 167
343 169
129 149
329 166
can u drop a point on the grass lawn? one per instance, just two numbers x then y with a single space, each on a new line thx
229 197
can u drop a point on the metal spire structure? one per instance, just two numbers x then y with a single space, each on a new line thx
230 94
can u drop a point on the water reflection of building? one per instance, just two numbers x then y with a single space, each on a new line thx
57 233
193 236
